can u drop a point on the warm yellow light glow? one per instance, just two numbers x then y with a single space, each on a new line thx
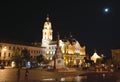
47 52
13 64
63 51
50 58
47 58
66 62
69 60
4 49
64 58
74 62
95 57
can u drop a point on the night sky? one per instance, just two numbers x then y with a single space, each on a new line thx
86 20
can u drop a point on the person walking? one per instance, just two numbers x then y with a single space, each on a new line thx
18 74
26 74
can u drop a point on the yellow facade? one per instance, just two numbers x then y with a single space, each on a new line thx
72 54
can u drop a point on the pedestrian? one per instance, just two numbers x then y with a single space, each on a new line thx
26 74
18 74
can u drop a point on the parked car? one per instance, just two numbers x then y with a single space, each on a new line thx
1 66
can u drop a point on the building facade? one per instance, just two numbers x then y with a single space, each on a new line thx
72 51
7 50
116 56
115 52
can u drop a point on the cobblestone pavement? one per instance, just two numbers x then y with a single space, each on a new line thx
38 75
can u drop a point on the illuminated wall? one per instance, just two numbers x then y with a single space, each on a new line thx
7 49
73 53
47 34
95 56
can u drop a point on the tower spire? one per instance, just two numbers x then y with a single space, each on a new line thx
47 18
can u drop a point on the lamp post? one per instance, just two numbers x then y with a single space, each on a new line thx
56 52
54 61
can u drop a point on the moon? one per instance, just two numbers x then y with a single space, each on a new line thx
106 10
